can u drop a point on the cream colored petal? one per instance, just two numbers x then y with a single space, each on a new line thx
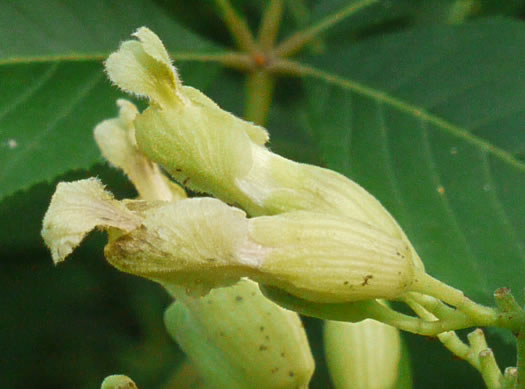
113 138
153 45
197 243
143 68
77 208
116 140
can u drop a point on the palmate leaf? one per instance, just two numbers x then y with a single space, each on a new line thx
53 89
431 122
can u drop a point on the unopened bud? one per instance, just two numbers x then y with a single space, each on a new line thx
238 339
364 355
118 381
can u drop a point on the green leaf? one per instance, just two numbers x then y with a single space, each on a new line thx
32 29
373 13
53 86
431 121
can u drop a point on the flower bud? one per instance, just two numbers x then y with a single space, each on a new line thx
118 381
364 355
234 329
202 243
239 339
211 151
175 130
326 258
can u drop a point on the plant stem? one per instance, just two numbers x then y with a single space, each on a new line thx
510 378
238 27
416 325
259 92
236 60
480 315
505 300
520 363
298 40
455 345
301 14
271 21
489 369
449 339
477 341
360 310
433 305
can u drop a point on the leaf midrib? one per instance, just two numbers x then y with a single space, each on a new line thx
97 57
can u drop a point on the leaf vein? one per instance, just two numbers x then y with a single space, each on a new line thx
498 205
474 127
74 101
425 65
29 91
347 144
449 211
389 164
410 109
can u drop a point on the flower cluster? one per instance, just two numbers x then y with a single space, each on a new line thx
307 230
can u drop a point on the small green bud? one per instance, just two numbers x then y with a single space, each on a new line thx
118 381
364 355
238 339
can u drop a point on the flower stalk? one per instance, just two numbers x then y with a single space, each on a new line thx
237 25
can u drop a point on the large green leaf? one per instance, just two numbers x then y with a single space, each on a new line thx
35 30
363 13
53 87
431 122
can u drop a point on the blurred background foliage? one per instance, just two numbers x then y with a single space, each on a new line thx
70 326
